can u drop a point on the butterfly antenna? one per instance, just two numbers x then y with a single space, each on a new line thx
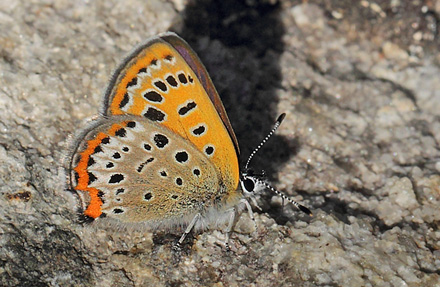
285 197
275 127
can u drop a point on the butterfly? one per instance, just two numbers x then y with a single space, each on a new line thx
163 152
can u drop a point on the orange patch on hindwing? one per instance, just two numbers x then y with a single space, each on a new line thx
84 177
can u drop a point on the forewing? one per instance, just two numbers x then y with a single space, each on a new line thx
164 81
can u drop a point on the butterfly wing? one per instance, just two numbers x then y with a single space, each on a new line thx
135 170
199 69
164 81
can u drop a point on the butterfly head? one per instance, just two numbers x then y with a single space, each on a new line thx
252 183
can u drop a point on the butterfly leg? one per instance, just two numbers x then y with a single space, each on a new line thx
188 229
233 217
255 203
232 220
249 209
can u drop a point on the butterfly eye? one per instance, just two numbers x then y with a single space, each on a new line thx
248 185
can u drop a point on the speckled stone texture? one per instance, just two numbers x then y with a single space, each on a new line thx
359 81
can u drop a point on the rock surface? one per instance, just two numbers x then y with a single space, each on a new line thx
359 146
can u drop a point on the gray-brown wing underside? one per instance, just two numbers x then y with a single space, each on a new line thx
146 173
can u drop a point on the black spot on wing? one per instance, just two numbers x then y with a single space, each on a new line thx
199 130
142 165
76 176
118 210
101 196
97 149
153 96
181 157
161 86
116 178
171 81
121 133
76 159
182 78
160 140
154 115
131 124
147 147
209 150
92 178
124 101
133 82
90 162
184 110
148 196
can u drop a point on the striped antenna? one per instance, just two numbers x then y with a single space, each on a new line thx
275 127
285 197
